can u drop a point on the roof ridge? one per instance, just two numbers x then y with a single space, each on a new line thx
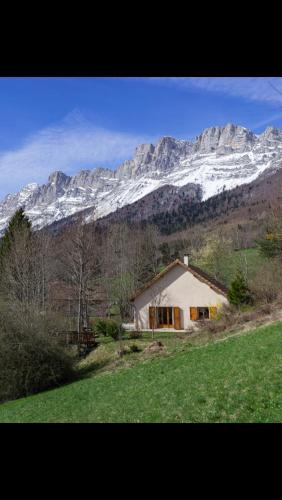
212 282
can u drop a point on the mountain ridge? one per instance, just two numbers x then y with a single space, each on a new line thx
171 212
220 158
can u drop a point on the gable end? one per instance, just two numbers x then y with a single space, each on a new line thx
198 273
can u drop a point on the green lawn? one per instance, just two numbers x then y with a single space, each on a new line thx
235 380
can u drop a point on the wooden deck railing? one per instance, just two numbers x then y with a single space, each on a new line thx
73 337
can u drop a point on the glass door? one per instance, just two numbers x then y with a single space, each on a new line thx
165 317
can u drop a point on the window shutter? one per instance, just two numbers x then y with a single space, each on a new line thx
213 312
193 313
177 318
152 317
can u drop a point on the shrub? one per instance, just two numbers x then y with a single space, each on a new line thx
114 330
100 327
231 318
31 362
109 327
121 352
239 292
134 348
135 335
266 309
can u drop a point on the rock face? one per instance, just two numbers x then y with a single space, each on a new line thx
220 158
224 140
148 158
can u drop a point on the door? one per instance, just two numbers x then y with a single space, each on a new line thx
177 318
164 317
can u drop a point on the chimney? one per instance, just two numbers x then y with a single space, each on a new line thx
186 259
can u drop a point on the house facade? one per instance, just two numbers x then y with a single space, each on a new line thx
177 298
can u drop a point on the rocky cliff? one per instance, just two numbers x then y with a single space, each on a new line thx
220 158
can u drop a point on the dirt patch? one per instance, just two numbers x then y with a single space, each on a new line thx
155 346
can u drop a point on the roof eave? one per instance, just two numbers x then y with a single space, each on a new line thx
187 268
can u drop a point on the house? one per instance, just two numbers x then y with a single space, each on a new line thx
177 297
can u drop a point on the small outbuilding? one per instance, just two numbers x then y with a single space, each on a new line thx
178 297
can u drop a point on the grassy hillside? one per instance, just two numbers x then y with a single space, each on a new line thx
235 380
249 259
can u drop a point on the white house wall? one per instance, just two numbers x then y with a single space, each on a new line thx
177 288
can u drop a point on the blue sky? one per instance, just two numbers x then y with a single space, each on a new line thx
67 124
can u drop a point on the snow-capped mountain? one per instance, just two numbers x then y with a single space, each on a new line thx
220 158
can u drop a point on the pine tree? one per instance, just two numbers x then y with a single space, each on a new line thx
270 246
239 293
165 251
19 222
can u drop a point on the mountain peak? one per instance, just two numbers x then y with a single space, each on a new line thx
224 139
271 131
57 177
220 156
232 126
166 142
143 153
31 186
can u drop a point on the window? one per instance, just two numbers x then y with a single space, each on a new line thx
199 313
203 313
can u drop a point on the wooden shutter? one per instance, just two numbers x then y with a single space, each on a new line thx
152 317
193 313
213 312
177 318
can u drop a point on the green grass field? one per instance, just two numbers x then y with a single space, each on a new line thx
235 380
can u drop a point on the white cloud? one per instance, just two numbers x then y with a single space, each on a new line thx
71 145
263 89
268 121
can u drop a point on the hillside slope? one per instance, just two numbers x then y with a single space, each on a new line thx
249 202
236 380
174 209
166 199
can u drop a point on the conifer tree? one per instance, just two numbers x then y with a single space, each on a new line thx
239 293
19 222
165 251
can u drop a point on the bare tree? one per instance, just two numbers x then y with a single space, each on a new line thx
213 254
80 264
130 260
117 267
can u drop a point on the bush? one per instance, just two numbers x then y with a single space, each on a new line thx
135 335
115 330
266 309
134 348
227 318
31 362
239 293
230 318
100 327
108 327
